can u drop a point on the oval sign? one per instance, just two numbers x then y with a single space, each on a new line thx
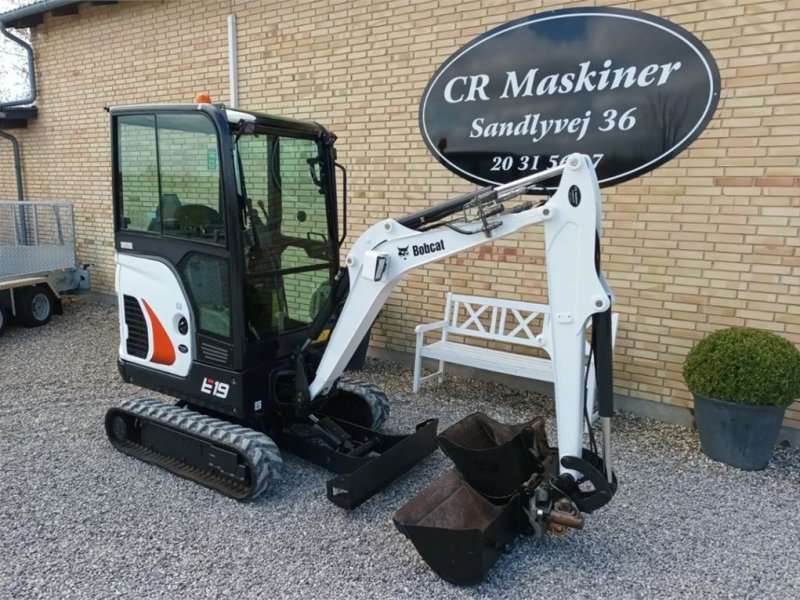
627 88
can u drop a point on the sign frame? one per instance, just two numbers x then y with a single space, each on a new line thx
667 27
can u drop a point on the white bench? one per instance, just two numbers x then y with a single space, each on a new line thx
498 320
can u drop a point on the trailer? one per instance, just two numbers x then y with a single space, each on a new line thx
38 261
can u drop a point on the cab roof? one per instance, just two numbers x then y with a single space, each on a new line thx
234 117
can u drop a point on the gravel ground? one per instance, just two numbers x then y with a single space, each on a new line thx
80 520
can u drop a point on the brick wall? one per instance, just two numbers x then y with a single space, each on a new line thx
706 241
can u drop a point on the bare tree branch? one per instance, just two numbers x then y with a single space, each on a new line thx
13 60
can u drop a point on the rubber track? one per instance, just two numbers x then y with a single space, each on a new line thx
261 454
372 395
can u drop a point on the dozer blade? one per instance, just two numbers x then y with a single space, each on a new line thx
372 462
228 458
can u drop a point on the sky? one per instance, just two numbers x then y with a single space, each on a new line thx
12 82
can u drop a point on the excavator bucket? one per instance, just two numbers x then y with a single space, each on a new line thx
464 521
458 532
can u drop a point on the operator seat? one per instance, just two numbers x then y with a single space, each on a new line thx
198 218
165 220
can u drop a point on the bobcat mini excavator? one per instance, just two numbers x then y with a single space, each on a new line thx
233 301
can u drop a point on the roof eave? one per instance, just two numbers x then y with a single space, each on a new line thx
33 14
17 117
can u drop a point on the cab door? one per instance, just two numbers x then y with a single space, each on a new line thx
290 239
173 266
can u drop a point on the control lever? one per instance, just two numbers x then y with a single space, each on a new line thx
312 163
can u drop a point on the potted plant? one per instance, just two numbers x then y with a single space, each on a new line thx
742 380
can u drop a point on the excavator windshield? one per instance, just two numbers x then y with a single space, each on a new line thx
283 213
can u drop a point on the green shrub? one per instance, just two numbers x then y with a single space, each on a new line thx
746 366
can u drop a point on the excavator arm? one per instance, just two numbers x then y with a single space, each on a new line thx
576 289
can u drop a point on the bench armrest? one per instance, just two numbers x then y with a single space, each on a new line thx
430 326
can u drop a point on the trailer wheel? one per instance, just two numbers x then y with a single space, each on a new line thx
35 305
3 320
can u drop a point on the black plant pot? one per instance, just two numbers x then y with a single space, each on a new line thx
740 435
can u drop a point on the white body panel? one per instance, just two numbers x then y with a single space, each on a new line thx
387 251
160 295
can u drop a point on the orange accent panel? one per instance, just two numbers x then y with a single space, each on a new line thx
163 350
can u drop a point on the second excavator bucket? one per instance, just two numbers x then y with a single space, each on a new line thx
495 458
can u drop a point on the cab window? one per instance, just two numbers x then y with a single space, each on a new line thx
168 174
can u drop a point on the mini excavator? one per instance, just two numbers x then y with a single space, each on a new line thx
233 301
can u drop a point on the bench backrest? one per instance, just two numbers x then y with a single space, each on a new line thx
509 321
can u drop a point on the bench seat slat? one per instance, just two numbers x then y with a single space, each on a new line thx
518 304
489 359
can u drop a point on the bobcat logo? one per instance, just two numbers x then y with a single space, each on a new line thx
402 252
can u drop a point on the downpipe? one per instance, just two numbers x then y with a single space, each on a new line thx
233 61
17 163
27 100
20 223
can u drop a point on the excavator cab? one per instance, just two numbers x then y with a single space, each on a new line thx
227 239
